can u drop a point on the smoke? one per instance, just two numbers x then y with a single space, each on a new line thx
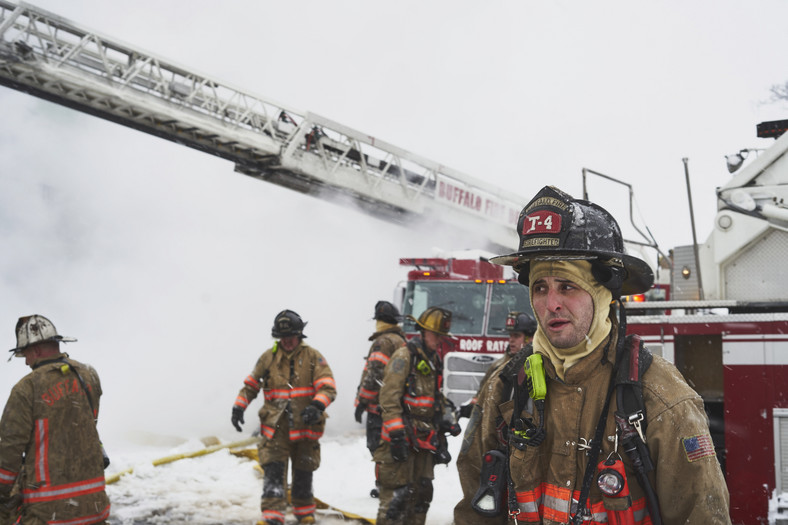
169 268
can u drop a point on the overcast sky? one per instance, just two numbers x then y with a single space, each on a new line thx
169 267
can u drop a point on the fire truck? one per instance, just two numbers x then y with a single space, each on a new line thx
725 327
480 296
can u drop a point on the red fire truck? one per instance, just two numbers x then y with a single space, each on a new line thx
725 328
480 296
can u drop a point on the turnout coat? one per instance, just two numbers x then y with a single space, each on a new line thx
50 448
548 478
384 343
290 381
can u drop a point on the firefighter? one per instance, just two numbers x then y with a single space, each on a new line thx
297 385
521 327
411 407
590 437
387 338
51 457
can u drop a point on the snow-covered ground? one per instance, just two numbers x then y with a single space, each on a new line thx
220 488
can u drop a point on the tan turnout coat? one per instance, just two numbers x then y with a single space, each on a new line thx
290 381
50 448
548 478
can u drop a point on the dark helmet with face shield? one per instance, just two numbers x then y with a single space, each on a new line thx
556 226
288 323
521 322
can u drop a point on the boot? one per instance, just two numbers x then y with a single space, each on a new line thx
309 518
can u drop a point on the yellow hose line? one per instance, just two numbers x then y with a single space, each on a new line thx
175 457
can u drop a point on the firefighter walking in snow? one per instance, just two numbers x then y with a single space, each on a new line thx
298 385
387 338
521 327
51 457
596 428
412 407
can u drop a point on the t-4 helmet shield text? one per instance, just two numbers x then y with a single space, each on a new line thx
555 226
34 329
287 323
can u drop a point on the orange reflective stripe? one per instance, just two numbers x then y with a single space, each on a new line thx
367 394
241 401
267 431
304 434
42 451
273 515
422 401
305 510
323 399
84 520
69 490
324 381
552 502
379 357
7 477
304 391
252 382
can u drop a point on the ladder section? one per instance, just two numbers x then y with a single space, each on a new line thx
51 57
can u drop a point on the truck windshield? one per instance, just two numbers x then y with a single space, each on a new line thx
505 298
468 303
465 300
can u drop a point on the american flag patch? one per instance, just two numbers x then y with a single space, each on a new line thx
698 447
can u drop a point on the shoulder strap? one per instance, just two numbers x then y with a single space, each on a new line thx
631 417
631 410
83 385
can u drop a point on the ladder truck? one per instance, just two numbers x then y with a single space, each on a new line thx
53 58
725 327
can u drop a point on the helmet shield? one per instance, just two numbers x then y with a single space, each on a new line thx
556 226
434 319
288 323
520 322
34 329
387 312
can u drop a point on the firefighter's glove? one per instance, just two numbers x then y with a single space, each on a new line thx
360 409
465 410
449 427
238 418
313 413
399 445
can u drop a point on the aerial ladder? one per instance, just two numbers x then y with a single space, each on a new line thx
53 58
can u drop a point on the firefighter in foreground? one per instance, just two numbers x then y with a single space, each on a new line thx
298 385
51 457
521 327
412 410
387 338
597 430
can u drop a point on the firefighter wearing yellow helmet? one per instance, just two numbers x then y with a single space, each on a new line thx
412 406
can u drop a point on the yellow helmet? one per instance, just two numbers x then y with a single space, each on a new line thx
434 319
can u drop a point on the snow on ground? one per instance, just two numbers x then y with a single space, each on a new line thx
220 488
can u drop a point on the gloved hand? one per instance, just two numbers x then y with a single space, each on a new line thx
238 418
399 445
465 410
313 413
360 409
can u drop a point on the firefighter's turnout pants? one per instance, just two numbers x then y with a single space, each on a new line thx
405 487
274 454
